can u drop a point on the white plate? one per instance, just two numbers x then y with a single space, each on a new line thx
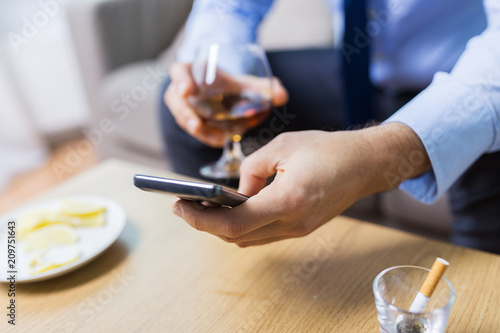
92 240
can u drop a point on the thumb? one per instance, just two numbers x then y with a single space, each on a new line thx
257 167
279 93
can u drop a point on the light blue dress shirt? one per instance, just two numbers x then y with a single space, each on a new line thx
451 46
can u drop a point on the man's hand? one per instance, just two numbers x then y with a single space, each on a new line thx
318 176
183 86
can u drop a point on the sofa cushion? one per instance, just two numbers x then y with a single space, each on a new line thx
130 96
133 30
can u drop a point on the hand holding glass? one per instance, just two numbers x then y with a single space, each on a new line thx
234 95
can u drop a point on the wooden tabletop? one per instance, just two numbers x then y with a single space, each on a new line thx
163 276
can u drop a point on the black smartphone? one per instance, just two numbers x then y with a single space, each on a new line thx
187 190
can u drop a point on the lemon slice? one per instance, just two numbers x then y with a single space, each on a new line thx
74 213
34 220
83 214
45 237
81 209
31 221
90 220
54 257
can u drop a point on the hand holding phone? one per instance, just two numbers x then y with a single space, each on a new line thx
194 191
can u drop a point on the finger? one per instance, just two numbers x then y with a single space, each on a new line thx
182 79
263 241
257 167
279 93
272 230
182 87
183 113
188 120
230 223
211 137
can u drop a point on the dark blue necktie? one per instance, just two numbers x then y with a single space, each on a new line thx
355 66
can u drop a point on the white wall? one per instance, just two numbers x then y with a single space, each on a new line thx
21 147
40 88
45 65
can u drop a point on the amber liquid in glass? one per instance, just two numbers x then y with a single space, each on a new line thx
233 113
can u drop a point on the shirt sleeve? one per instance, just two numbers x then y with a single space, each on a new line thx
457 116
222 21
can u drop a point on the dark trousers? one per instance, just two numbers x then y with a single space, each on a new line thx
314 83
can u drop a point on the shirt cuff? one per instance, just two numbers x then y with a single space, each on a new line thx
455 127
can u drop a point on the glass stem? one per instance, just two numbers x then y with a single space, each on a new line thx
232 153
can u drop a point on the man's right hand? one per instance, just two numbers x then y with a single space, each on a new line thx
318 175
176 97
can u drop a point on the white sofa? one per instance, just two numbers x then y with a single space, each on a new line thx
120 43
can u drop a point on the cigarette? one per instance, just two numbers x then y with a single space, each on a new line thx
431 281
